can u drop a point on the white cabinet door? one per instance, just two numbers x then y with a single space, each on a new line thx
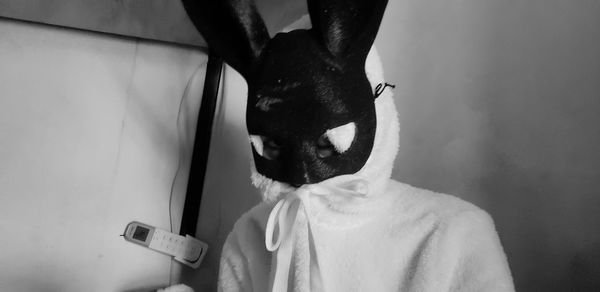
93 131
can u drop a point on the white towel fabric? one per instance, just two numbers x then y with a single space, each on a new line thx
363 232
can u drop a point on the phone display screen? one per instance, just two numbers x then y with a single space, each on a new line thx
140 233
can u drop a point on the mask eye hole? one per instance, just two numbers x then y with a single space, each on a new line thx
324 147
266 147
271 148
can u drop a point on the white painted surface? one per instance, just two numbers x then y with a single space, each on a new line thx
91 137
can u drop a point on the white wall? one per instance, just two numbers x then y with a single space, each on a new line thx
93 130
499 105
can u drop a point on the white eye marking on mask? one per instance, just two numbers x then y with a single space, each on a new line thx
341 137
257 143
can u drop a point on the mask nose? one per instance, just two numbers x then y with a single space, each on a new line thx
298 173
301 166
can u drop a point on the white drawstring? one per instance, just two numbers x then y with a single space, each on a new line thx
282 221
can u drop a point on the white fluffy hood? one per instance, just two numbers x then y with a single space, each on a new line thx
378 168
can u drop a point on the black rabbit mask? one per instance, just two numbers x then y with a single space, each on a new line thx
310 111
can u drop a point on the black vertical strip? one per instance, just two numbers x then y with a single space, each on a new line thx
206 115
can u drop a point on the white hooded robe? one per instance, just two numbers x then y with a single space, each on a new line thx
395 238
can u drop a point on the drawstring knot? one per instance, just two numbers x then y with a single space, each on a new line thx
282 221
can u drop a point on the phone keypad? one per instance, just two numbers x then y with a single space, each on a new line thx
175 245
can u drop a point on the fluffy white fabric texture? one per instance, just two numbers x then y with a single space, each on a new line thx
407 239
398 238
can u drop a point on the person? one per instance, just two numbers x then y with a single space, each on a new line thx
324 133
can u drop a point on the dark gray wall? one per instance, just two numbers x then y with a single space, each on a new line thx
500 105
163 20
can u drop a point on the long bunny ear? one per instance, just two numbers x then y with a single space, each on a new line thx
233 28
347 27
